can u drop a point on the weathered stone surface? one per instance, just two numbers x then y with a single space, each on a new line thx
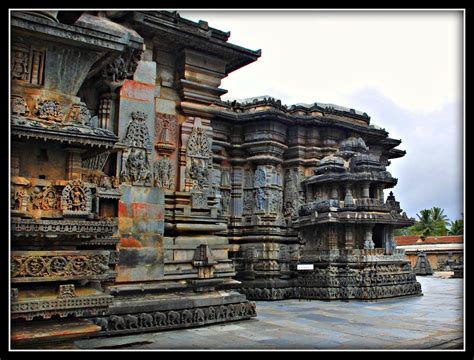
132 180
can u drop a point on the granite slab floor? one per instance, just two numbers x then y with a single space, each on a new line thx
431 321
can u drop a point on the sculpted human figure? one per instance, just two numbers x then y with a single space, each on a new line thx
77 198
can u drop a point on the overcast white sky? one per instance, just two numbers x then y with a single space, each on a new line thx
404 68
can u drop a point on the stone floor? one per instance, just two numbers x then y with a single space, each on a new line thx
432 321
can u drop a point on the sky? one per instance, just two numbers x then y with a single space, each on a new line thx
403 68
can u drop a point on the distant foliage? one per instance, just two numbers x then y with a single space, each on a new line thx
431 222
457 227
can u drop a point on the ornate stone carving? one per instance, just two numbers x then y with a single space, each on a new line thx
80 114
260 197
76 198
225 202
260 178
248 202
48 199
19 64
123 66
137 170
199 173
76 306
199 144
31 267
164 173
131 323
166 128
199 200
66 291
48 110
275 200
39 227
19 105
17 196
137 134
292 199
198 161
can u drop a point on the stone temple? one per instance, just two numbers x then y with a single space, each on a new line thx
140 201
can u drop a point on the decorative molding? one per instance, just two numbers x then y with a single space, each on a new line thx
51 266
140 322
63 307
42 227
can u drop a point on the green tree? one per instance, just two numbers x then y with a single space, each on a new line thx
457 227
425 225
440 221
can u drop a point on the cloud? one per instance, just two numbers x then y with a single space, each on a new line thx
415 57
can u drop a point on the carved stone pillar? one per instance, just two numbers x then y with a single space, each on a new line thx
348 199
332 237
389 240
368 242
74 163
106 112
381 195
365 190
349 237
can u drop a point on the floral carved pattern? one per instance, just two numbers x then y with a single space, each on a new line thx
58 266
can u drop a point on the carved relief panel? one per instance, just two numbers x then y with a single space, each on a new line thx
198 162
136 166
165 131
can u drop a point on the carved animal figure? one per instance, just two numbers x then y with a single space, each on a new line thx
210 313
146 320
102 322
173 318
198 316
131 321
118 322
186 317
160 319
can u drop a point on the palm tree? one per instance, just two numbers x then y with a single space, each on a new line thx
457 227
425 223
440 220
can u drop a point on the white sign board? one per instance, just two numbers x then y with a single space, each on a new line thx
305 267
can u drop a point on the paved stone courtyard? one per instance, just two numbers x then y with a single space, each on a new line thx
432 321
